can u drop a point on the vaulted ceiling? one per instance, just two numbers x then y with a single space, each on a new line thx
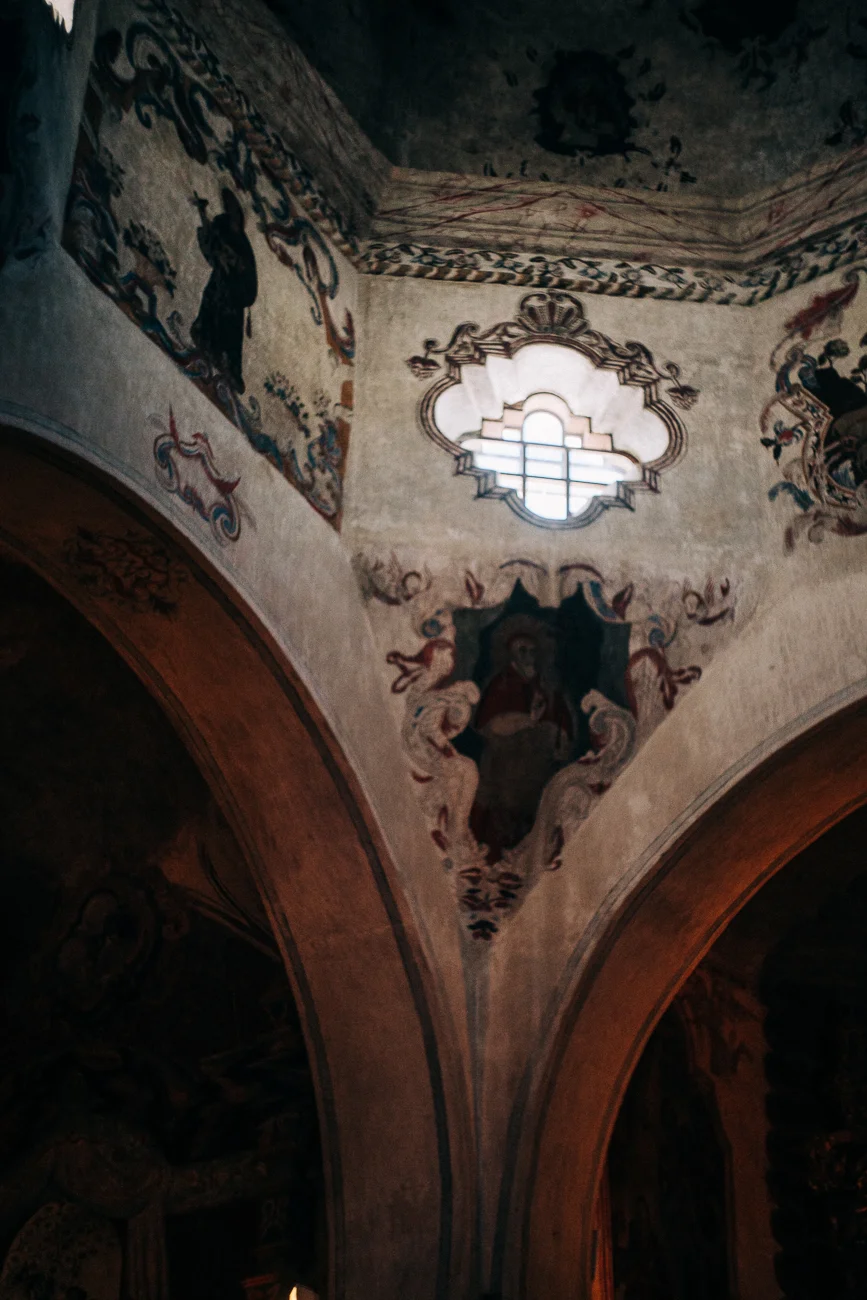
713 97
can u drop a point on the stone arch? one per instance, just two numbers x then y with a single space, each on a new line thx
651 943
390 1115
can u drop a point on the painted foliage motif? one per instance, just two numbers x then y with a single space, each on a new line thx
815 252
815 425
524 697
133 571
193 218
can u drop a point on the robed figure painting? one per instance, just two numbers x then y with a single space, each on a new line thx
218 330
533 665
527 728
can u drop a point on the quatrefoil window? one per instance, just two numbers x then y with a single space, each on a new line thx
553 460
550 415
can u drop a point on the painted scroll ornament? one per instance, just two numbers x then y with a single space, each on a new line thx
186 468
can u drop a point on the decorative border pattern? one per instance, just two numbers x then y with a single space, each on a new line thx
774 274
800 261
554 317
615 277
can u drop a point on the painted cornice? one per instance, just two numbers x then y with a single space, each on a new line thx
619 242
440 226
444 210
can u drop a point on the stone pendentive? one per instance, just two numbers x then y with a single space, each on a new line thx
521 694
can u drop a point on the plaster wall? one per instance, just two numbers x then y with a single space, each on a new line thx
799 655
795 652
79 373
401 488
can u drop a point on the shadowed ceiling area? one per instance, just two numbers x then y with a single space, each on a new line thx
705 96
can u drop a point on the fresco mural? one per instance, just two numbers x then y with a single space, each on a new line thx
472 258
190 214
815 425
522 695
158 1121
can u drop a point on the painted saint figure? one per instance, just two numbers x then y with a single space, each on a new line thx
846 399
218 330
528 731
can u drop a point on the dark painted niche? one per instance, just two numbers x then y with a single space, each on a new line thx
158 1131
585 106
737 23
814 984
538 660
667 1180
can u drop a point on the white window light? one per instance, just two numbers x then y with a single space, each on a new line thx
553 460
63 11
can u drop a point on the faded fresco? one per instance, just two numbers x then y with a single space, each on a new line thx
522 695
815 425
191 215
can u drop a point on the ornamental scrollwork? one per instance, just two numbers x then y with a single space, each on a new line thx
555 317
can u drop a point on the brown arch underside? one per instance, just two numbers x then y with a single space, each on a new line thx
375 1034
659 935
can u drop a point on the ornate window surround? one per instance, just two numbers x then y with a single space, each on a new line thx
555 317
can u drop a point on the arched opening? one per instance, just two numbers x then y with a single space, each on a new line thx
666 1180
657 939
737 1161
390 1114
158 1129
